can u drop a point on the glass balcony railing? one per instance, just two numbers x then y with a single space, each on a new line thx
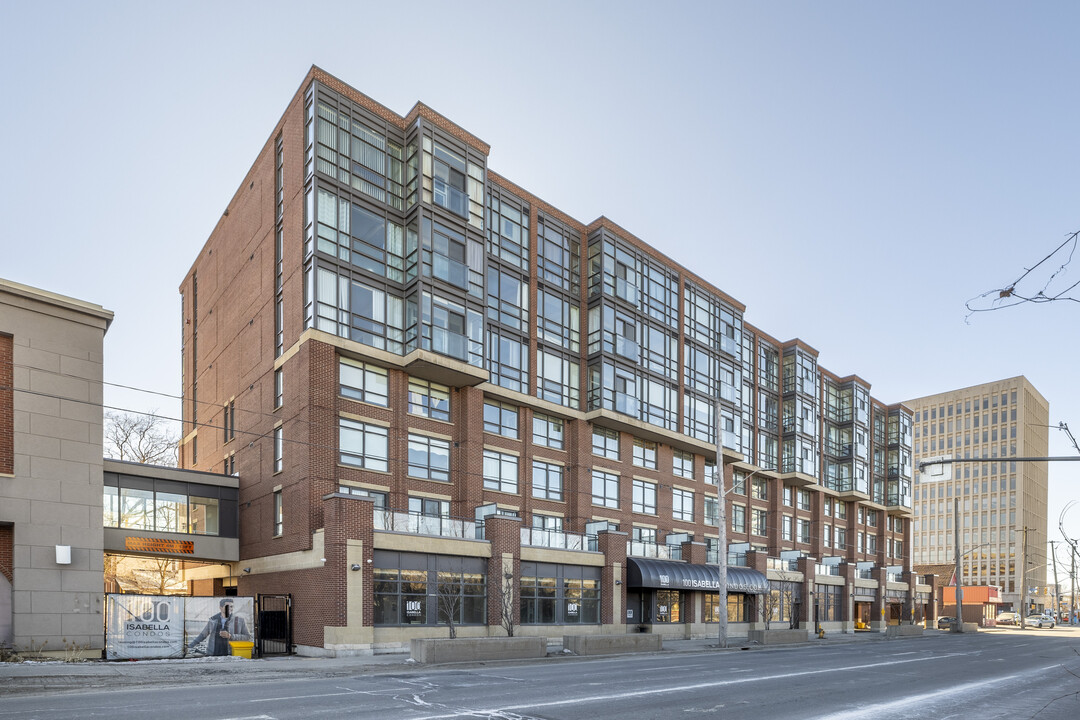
451 198
449 343
417 524
729 345
627 348
782 564
838 449
451 271
627 404
826 569
865 573
554 539
636 548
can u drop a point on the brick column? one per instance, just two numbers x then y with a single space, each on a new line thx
695 553
504 534
757 560
349 542
879 611
612 544
810 599
847 571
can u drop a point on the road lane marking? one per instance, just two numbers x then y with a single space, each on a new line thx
684 688
865 711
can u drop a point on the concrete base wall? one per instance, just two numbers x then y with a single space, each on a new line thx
778 637
612 644
904 631
444 650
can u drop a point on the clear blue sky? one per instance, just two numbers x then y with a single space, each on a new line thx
852 172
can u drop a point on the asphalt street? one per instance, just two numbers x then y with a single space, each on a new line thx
1006 674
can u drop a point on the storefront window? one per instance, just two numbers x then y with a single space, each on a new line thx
559 594
668 606
404 582
829 598
737 608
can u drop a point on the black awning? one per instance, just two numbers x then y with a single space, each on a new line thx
645 573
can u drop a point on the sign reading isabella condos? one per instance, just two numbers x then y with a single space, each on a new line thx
144 626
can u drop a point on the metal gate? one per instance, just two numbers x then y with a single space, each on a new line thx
274 624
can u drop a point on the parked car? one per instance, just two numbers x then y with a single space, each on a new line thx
1007 618
945 622
1040 621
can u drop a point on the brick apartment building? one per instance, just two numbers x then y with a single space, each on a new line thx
438 391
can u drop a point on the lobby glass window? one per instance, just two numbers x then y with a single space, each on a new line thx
605 489
429 458
363 382
500 471
429 399
605 443
644 500
508 360
644 453
682 503
668 606
363 445
829 601
547 480
547 431
501 419
682 464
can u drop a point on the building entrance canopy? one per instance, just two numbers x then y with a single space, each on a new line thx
645 573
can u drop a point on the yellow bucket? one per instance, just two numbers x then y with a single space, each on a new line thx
241 648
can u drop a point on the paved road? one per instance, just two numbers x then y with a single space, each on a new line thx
1010 674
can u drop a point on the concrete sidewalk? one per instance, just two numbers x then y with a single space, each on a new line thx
29 678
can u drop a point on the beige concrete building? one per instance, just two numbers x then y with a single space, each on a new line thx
1001 500
51 535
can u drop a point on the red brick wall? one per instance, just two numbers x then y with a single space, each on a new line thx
7 551
7 405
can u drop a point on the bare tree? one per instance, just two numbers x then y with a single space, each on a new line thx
783 597
1043 282
449 598
508 606
140 437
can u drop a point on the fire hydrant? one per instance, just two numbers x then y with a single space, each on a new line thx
821 633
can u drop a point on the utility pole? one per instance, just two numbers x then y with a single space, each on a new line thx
1057 591
721 546
1072 595
1023 584
958 626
